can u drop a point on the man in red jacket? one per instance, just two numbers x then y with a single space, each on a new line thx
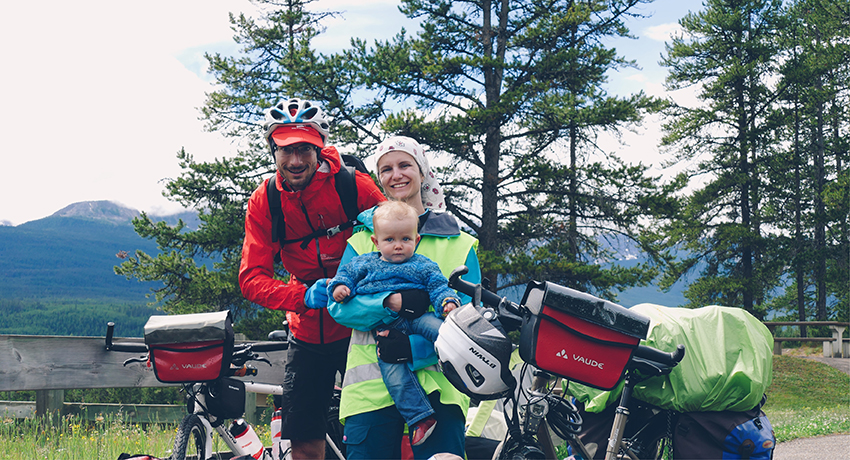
296 131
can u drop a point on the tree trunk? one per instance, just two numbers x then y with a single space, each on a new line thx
820 217
799 266
488 236
744 169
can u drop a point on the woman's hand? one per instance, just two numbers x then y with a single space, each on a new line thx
393 346
393 302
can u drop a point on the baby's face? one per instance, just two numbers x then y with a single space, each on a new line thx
396 240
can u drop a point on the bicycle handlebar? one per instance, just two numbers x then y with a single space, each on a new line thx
654 354
132 347
267 346
479 294
125 347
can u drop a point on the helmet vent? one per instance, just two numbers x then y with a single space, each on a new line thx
309 113
277 114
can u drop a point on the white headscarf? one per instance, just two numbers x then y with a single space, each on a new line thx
432 193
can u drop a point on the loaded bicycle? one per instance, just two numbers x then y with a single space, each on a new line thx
632 400
198 352
564 334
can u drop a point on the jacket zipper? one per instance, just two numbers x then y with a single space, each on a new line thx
324 270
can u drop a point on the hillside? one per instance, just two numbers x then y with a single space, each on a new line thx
56 273
72 254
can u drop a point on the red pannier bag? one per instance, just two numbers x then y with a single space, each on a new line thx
190 348
578 336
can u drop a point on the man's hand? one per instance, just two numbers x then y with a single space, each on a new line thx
317 294
393 347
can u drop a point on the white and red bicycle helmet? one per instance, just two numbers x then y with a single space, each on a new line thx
297 115
474 355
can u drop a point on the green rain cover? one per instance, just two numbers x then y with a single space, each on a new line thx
728 361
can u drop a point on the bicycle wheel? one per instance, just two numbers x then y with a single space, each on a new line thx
190 440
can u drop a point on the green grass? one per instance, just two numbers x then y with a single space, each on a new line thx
71 439
807 398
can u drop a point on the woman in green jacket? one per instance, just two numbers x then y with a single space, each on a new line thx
373 426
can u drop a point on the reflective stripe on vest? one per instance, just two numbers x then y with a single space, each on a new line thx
485 408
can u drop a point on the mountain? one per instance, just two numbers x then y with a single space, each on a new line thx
106 211
71 253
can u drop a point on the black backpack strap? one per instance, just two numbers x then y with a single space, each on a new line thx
278 225
346 188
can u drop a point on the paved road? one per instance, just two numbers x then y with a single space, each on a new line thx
831 447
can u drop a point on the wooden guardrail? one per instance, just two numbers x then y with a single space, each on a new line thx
833 347
51 364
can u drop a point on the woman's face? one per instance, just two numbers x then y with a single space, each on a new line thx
400 178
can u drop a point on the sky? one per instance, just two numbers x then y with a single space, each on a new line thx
98 96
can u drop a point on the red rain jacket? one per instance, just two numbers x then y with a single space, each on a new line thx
317 206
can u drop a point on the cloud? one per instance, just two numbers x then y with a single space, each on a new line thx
663 32
96 102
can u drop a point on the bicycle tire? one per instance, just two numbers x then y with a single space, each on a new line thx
191 434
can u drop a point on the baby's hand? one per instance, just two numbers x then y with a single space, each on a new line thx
341 292
448 308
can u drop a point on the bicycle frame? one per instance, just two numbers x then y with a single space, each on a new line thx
617 447
199 397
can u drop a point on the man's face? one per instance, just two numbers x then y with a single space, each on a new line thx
297 163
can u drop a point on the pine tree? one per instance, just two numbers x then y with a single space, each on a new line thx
730 52
814 123
512 93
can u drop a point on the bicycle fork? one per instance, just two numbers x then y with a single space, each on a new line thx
621 416
222 431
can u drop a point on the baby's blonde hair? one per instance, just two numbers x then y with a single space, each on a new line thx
398 210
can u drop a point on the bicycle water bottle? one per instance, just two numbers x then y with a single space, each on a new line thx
247 438
275 428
